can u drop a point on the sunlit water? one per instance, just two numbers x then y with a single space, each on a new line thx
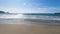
7 16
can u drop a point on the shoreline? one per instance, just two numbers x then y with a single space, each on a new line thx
29 21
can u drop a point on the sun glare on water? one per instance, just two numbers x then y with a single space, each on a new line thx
12 16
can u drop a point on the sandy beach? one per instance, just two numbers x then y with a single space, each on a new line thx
54 29
29 29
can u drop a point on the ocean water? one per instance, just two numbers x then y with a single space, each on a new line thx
32 18
43 16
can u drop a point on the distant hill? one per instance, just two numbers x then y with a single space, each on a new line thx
57 13
2 12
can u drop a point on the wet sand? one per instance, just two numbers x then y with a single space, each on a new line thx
53 29
29 29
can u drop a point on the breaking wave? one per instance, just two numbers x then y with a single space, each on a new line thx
9 16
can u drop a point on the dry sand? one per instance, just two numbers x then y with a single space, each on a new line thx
29 29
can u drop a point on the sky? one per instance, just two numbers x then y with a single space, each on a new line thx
30 6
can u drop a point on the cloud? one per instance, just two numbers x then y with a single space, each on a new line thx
17 10
32 10
48 10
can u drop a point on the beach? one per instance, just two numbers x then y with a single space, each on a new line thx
29 29
29 16
29 26
54 29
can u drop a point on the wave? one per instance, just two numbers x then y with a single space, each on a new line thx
9 16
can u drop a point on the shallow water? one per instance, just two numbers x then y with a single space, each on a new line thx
29 21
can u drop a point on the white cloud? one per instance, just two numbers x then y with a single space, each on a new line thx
48 10
11 10
31 10
16 10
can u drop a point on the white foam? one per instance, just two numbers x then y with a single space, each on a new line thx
29 17
12 16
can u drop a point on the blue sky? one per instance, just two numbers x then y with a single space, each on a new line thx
30 6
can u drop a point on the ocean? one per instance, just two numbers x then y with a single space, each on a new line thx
31 18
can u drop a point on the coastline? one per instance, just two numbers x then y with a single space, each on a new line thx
21 26
29 21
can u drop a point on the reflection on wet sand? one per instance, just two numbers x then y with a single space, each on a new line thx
29 29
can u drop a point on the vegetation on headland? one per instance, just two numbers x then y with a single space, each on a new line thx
57 13
2 12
